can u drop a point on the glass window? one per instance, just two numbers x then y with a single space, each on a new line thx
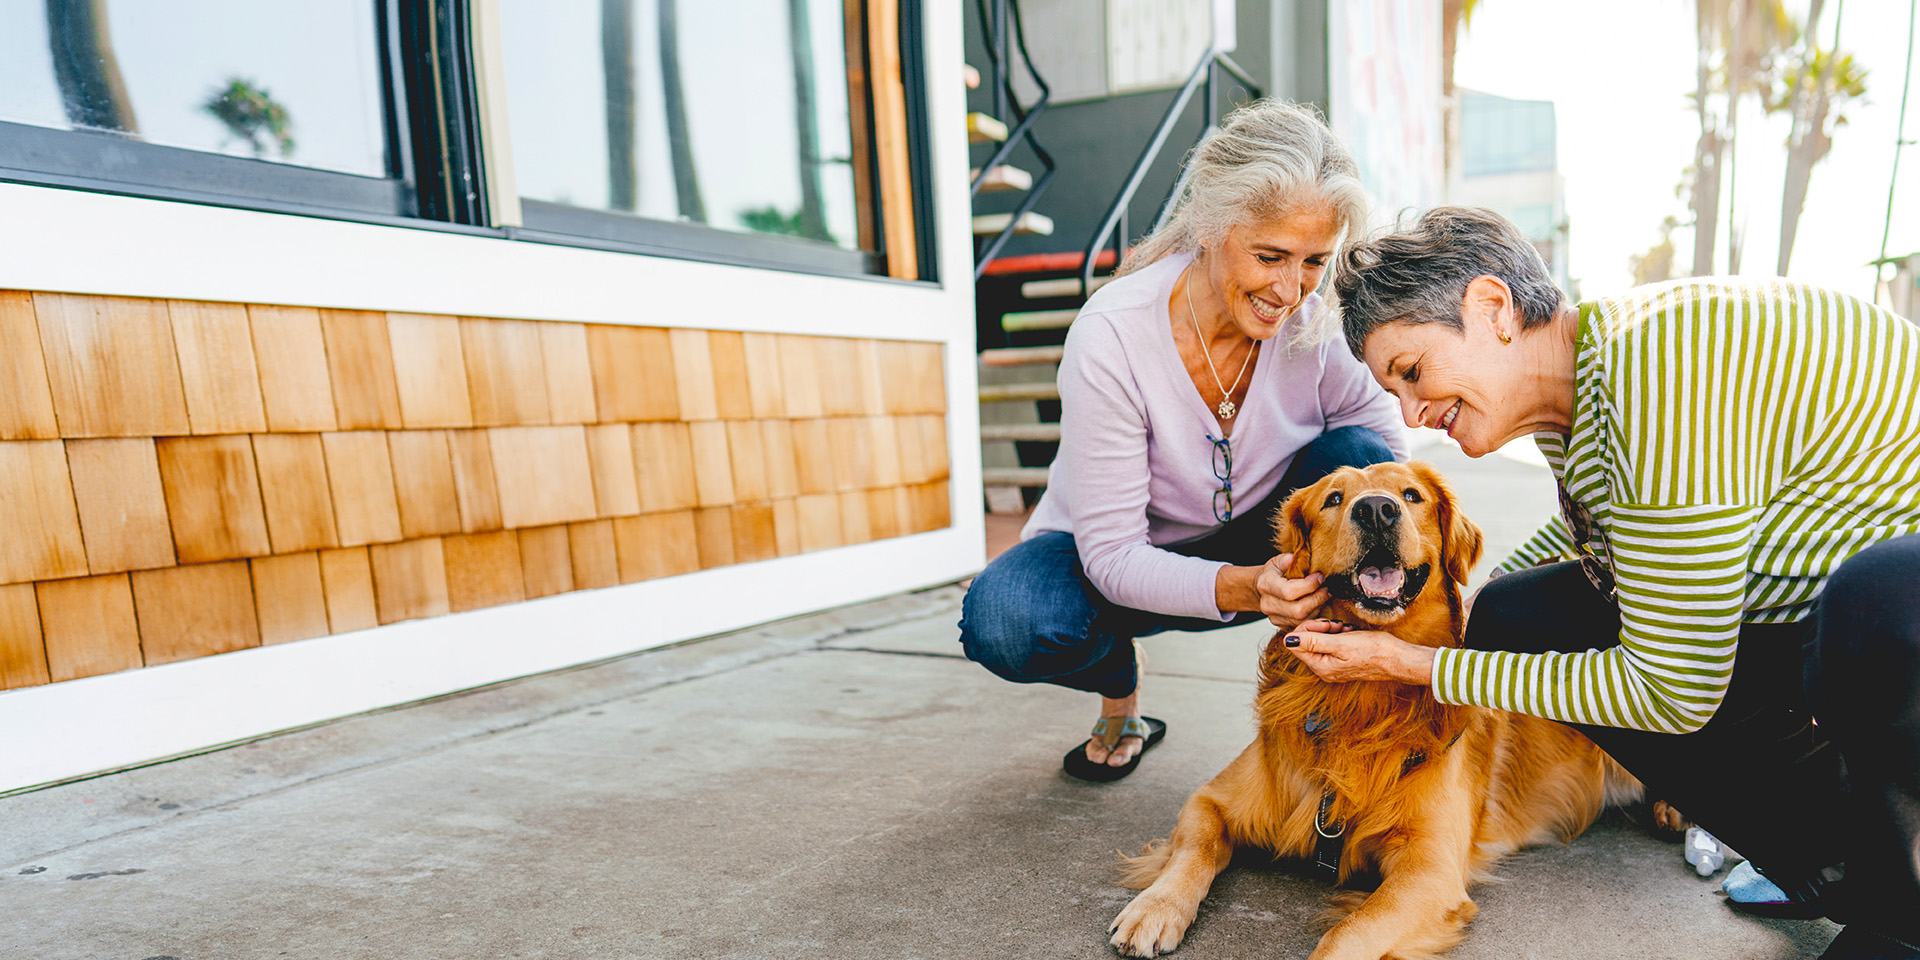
291 83
729 113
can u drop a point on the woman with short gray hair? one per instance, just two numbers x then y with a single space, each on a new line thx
1183 426
1739 473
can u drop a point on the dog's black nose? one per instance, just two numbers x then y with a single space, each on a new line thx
1376 512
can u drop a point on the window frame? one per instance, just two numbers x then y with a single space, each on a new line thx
438 111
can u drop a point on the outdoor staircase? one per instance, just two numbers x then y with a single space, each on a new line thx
1024 304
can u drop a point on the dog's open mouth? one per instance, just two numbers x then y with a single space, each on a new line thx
1379 583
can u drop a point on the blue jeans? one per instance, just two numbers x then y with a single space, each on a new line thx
1032 617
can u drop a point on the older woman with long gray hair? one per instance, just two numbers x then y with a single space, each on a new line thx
1186 419
1738 464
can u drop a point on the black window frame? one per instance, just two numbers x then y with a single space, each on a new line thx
437 169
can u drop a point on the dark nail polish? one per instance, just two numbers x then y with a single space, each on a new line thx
1113 930
1293 641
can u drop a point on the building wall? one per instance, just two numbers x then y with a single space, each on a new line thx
216 387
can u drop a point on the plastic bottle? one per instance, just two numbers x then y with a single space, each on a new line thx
1704 852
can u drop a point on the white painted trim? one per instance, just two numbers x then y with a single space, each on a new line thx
81 726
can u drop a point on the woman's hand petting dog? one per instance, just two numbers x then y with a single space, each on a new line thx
1286 600
1338 653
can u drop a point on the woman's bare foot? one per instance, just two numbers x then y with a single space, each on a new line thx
1129 746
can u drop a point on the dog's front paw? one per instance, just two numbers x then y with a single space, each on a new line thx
1151 925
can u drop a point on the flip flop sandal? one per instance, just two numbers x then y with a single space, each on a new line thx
1110 730
1751 893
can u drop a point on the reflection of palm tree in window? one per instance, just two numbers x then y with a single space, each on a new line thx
616 60
813 221
252 116
686 180
91 89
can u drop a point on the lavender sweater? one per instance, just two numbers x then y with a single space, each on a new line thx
1135 469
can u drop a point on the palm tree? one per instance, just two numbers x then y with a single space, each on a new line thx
91 88
1817 87
813 219
1710 23
1761 33
686 179
616 60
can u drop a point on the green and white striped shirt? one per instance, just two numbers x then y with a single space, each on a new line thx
1734 441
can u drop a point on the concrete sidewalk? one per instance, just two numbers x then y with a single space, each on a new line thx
843 784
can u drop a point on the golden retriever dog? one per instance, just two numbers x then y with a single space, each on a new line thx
1375 778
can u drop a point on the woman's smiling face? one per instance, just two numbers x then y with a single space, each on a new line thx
1480 384
1261 272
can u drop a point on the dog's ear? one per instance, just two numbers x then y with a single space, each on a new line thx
1460 538
1291 533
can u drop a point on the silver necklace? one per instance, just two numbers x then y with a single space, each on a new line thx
1226 408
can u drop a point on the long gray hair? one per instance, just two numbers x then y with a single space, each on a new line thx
1269 159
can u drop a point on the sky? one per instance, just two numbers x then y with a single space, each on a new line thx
1620 74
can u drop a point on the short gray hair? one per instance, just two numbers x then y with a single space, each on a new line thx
1270 158
1419 274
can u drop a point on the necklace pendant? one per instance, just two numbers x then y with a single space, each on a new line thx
1226 409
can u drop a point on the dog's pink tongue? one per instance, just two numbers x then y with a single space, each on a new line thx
1377 582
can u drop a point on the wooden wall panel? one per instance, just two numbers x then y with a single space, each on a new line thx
214 342
294 491
346 577
783 477
883 436
289 597
819 515
732 383
915 466
483 570
23 654
26 399
800 376
213 498
713 536
933 443
563 348
754 537
747 451
123 511
766 389
693 375
506 371
409 580
291 352
430 369
840 384
596 561
544 475
88 626
194 611
855 525
813 456
423 483
663 454
850 447
546 561
616 490
473 483
712 464
111 364
366 508
867 370
656 545
633 376
786 526
883 518
366 394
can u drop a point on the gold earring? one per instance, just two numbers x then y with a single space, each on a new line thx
1504 339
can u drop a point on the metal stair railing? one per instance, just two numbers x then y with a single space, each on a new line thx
1000 23
1113 226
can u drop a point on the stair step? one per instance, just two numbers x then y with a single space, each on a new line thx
984 129
1000 392
1002 179
1014 476
1020 356
1037 320
971 75
1033 224
1063 287
1034 432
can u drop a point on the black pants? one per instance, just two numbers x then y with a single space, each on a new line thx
1795 797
